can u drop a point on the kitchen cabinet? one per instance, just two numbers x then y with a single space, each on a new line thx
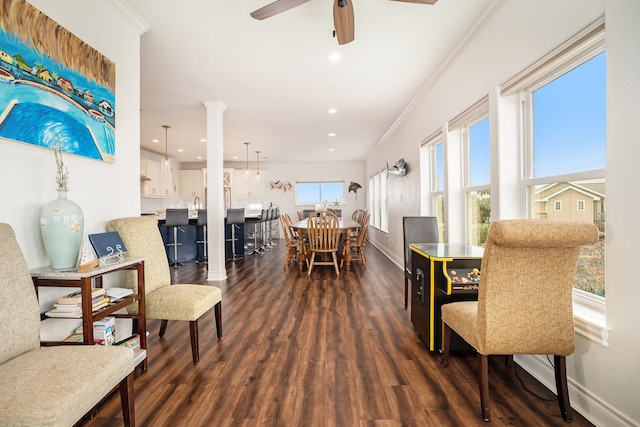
192 184
156 183
248 186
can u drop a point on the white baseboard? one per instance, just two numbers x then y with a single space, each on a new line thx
582 400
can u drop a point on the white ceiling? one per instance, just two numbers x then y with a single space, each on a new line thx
274 77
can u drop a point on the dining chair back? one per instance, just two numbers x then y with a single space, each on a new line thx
163 300
416 229
323 231
524 301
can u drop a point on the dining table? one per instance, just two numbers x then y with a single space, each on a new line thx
345 226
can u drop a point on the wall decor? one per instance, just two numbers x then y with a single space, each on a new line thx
399 169
280 185
55 89
354 186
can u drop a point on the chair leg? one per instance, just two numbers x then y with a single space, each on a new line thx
560 363
446 340
217 309
127 401
483 376
163 327
313 258
335 263
195 351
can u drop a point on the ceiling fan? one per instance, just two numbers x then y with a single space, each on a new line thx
342 14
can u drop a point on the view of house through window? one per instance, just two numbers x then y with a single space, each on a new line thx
569 140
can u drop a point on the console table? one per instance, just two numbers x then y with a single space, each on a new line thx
442 273
45 276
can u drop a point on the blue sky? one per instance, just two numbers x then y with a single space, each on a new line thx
569 126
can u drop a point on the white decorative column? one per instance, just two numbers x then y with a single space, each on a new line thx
215 191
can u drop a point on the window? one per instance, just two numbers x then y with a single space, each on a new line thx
378 201
433 204
311 193
472 126
564 109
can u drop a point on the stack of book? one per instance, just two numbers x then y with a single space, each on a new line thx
133 342
70 305
104 331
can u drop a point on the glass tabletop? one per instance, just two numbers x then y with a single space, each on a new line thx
447 250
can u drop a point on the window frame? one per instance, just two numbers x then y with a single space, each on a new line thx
378 200
589 309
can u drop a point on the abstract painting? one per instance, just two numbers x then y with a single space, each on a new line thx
55 89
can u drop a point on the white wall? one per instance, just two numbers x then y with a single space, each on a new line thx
603 380
310 172
103 190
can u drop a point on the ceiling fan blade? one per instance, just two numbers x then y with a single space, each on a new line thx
275 8
418 1
343 22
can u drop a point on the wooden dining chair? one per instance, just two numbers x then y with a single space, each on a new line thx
323 231
295 248
356 245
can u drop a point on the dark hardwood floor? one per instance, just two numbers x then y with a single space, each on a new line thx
318 351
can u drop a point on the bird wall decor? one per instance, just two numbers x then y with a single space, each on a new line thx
399 169
354 186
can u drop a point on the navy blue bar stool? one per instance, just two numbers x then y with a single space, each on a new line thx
201 221
174 219
234 217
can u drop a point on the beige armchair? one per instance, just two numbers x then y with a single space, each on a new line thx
524 299
49 386
163 300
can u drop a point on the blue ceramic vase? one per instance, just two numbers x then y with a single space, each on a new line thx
62 226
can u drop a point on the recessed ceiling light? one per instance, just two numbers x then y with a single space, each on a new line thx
203 140
332 111
331 134
199 157
235 157
330 149
334 57
180 150
154 140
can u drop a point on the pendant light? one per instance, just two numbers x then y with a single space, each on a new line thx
258 161
166 166
246 168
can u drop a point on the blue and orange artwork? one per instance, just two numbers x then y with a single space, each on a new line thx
54 88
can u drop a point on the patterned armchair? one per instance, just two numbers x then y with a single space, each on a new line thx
49 386
524 299
163 300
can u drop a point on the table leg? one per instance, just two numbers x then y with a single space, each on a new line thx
347 250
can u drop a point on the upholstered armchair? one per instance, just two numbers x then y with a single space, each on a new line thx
49 386
524 299
163 300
